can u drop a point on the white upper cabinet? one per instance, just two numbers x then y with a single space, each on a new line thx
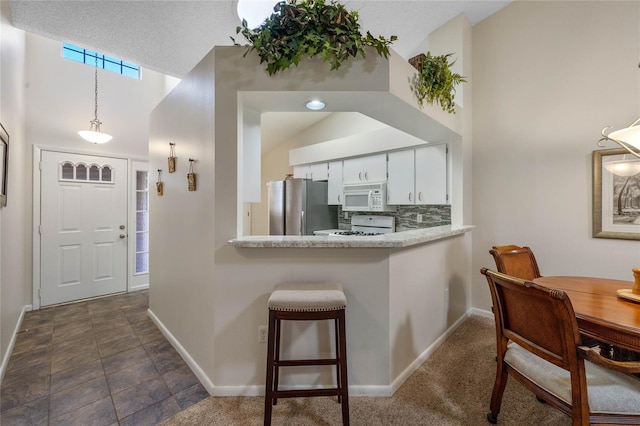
334 195
431 175
418 176
401 180
317 171
371 168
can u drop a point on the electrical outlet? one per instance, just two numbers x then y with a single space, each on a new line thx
419 218
346 215
446 296
263 333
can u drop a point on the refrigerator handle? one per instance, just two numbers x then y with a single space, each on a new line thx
302 222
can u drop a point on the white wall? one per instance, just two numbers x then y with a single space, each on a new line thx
181 230
15 218
548 76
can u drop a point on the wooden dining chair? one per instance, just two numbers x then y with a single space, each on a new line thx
538 344
516 261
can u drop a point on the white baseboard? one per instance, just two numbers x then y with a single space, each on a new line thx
258 390
411 368
7 355
200 374
481 313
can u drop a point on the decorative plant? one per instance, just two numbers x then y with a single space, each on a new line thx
434 81
306 28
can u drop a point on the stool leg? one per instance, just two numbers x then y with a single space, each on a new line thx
268 396
344 386
276 363
338 377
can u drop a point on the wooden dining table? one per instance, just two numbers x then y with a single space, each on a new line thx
601 314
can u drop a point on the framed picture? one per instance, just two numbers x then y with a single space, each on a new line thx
4 165
616 194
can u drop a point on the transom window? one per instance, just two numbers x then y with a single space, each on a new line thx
86 56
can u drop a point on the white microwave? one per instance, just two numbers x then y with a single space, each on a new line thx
366 197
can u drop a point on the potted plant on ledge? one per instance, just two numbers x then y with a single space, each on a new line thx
307 28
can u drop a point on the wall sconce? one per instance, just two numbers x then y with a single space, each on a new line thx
191 176
172 157
160 184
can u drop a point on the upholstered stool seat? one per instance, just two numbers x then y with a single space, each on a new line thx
306 302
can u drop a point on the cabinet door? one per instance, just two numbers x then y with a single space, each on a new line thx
374 168
400 183
318 171
334 195
301 172
431 175
352 170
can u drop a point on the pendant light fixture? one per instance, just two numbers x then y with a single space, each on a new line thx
94 135
628 137
255 12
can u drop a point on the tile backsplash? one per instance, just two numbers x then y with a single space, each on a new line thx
432 215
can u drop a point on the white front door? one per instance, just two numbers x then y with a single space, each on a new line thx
83 222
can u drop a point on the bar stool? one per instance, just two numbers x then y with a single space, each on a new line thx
306 302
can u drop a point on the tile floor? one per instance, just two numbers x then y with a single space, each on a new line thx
97 362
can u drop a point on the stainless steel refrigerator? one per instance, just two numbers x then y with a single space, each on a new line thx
299 207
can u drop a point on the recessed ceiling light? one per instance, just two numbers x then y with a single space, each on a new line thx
315 105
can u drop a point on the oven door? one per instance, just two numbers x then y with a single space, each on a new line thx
357 201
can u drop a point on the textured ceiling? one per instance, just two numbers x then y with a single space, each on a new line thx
172 36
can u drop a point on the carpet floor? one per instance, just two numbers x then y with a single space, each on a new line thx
452 387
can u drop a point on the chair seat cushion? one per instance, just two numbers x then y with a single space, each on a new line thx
307 297
609 391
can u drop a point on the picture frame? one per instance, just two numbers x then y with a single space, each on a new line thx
616 194
4 165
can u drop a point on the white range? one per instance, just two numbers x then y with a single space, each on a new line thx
368 225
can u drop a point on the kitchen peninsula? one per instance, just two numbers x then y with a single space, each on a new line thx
392 240
210 284
405 293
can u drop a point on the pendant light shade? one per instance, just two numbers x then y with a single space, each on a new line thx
629 135
94 135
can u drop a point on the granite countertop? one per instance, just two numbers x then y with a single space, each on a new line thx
392 240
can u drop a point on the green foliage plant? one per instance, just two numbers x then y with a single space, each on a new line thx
434 82
306 28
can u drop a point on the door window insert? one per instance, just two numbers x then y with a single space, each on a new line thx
77 172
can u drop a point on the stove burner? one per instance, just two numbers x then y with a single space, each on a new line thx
358 233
